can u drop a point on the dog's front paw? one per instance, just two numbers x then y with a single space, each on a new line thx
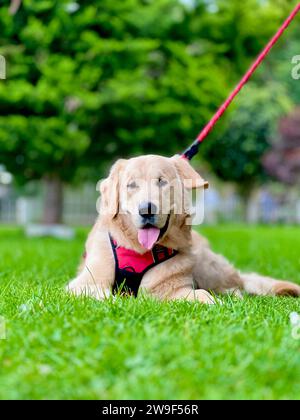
77 288
205 297
200 295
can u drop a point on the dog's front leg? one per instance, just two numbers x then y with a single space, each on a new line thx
87 284
97 271
173 280
166 291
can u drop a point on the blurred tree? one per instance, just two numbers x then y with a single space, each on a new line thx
238 145
89 81
283 160
237 150
236 29
282 63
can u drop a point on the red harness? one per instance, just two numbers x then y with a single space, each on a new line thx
131 266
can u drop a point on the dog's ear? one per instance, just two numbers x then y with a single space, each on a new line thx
191 179
109 190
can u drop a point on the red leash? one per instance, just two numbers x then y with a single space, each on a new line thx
194 148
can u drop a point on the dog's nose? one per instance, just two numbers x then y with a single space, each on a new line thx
147 210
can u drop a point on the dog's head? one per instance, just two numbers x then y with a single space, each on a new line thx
149 191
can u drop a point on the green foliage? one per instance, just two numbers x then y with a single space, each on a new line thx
236 152
35 146
239 29
281 65
90 81
110 78
237 149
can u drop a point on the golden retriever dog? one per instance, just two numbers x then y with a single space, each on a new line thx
137 225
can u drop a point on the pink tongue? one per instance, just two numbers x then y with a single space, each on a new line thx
148 237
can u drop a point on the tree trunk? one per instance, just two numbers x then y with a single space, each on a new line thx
246 194
53 203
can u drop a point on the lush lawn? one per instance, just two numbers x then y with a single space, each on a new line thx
62 347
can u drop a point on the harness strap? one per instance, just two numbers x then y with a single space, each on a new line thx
128 277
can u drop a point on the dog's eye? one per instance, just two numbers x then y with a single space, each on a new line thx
161 182
132 185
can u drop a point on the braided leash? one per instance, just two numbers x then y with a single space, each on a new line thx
194 148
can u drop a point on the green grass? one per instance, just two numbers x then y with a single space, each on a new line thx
58 346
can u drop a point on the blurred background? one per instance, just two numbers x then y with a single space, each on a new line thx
90 81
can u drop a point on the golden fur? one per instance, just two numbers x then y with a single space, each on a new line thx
193 272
